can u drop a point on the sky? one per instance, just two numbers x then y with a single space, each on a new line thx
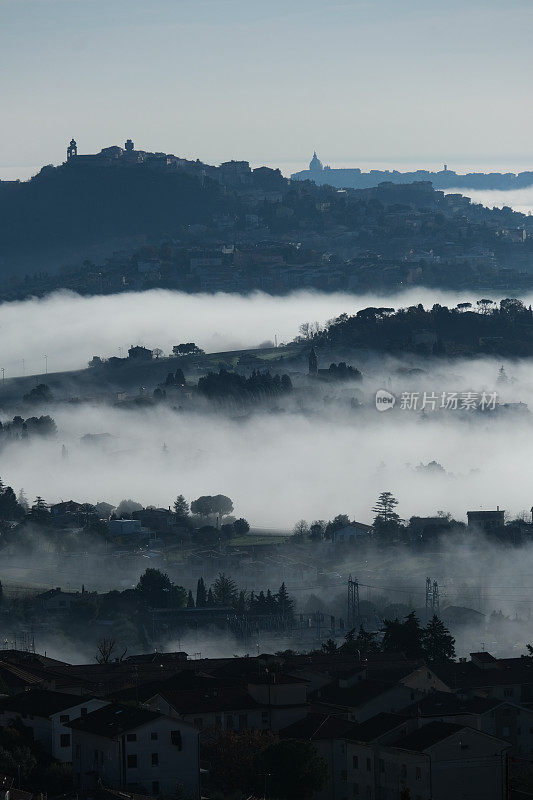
361 81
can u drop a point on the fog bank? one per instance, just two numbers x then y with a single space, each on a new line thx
69 329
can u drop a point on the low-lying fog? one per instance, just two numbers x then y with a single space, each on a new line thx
70 329
315 457
517 199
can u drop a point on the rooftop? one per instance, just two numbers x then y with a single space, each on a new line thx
113 720
427 736
40 703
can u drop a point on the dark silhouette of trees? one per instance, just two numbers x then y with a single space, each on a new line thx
201 594
437 642
225 385
241 527
293 768
224 590
210 505
181 508
403 637
39 394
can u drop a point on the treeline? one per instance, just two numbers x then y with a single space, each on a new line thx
484 327
224 593
432 643
224 385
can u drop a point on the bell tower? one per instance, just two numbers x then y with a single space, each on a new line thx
72 150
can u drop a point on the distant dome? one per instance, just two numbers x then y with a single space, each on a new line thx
315 164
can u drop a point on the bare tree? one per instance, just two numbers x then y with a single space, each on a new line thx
157 352
104 650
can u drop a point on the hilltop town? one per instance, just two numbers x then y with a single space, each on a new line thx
126 219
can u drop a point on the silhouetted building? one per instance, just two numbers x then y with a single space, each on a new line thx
315 164
140 353
486 520
72 150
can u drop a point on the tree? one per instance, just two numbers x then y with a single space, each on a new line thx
157 353
39 511
293 768
181 507
241 527
340 521
224 590
179 377
127 507
208 505
301 529
285 602
105 650
329 647
317 530
39 394
438 643
403 637
231 760
187 349
386 522
10 508
190 600
156 588
201 595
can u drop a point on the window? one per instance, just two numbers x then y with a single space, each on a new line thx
507 692
264 717
229 722
403 771
369 792
198 723
153 736
243 722
418 774
77 751
368 765
175 738
218 722
131 737
64 718
132 761
64 740
356 789
155 759
381 765
155 787
355 762
344 775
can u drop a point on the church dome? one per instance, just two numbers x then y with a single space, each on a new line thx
315 164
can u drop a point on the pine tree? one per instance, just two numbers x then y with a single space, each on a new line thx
224 590
210 599
201 595
181 507
403 637
190 600
240 607
285 602
438 643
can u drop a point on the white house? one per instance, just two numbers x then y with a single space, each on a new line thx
47 714
135 749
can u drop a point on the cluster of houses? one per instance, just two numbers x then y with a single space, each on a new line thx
384 725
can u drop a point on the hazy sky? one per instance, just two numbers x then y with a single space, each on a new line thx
268 81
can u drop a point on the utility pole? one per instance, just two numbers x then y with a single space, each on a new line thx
353 601
46 365
436 600
429 597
